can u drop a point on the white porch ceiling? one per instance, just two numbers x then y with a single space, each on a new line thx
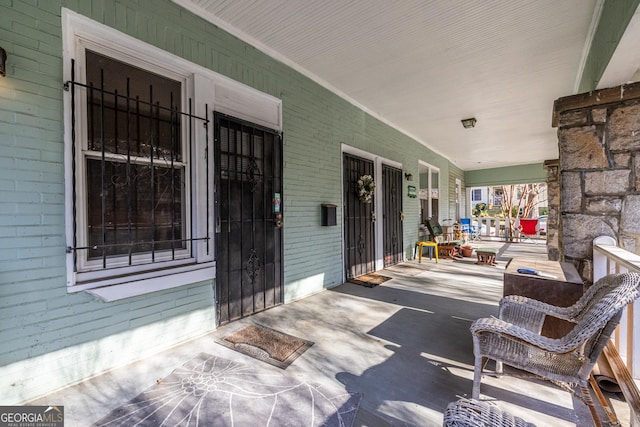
422 66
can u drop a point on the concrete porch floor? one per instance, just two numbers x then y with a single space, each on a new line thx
404 344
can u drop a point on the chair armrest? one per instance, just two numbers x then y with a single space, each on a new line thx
490 325
514 307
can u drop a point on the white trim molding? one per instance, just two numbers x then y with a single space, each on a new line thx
378 161
206 87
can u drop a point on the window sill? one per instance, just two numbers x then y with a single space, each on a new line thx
154 284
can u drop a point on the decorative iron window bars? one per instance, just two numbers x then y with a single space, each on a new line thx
151 157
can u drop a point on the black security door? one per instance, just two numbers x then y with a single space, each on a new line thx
359 219
249 266
392 211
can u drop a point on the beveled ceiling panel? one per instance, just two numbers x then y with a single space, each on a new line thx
422 66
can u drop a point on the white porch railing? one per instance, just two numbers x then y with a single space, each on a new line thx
608 258
490 226
498 227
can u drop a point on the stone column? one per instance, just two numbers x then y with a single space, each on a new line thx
599 140
553 217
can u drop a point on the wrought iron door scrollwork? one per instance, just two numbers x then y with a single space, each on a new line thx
254 173
361 244
253 266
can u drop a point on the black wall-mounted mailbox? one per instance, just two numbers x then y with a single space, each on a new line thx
328 215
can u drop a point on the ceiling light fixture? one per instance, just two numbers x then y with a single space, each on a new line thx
469 123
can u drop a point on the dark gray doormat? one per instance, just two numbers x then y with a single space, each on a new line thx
370 280
273 347
211 391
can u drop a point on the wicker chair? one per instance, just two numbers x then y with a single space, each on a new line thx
530 313
566 361
472 413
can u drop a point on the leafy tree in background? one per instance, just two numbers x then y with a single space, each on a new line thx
479 209
518 201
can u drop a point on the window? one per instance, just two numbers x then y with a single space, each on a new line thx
476 195
429 192
140 182
138 160
497 196
135 170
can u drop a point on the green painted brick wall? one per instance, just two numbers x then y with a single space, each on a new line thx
32 291
37 315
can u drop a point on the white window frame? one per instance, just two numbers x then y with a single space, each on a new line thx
459 199
194 264
473 193
92 270
432 195
204 87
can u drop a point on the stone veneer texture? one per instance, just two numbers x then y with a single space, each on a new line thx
599 179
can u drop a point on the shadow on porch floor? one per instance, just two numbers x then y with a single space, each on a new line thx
405 345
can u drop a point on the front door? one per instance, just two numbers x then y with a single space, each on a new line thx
249 268
392 214
359 217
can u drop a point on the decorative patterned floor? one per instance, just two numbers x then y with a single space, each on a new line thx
210 390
